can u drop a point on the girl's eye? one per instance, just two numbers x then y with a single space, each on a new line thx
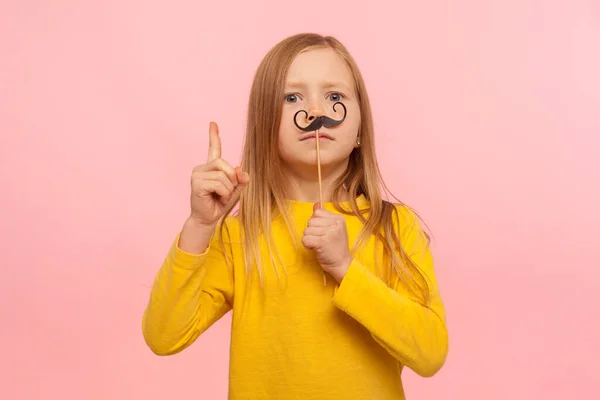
291 98
335 97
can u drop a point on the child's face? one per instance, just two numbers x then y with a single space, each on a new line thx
316 80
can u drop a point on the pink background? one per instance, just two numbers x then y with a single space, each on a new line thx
488 119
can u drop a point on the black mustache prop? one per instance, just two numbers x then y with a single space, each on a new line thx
322 121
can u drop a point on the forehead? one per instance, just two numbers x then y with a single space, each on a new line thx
319 66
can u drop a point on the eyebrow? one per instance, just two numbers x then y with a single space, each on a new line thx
326 85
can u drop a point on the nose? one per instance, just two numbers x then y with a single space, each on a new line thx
315 111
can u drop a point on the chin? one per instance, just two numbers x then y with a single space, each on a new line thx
326 162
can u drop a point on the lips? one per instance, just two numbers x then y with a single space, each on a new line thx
313 135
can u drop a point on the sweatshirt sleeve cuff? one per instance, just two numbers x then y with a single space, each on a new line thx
359 287
356 276
186 260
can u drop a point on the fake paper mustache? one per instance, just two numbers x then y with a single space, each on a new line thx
322 121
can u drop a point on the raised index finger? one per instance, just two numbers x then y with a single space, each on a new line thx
214 142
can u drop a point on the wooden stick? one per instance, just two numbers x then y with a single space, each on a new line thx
319 170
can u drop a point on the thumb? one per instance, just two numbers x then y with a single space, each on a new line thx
243 180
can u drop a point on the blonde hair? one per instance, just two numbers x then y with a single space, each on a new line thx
264 199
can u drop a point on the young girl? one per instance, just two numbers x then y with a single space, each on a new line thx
313 317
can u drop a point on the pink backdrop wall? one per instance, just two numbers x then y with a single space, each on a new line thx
488 119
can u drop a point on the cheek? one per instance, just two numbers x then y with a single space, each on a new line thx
286 135
283 126
286 124
355 118
352 125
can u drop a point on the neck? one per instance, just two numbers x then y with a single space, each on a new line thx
304 183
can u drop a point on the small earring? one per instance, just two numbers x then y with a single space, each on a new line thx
358 142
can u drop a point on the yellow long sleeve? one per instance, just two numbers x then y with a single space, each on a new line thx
190 293
415 335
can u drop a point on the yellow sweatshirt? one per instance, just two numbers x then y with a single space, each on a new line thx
300 337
